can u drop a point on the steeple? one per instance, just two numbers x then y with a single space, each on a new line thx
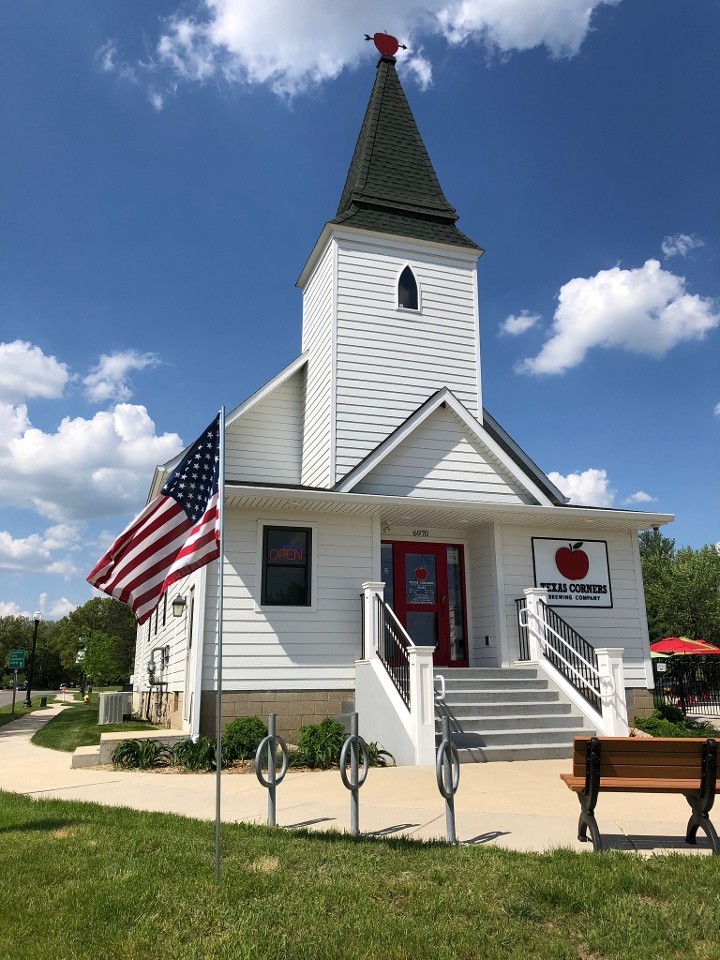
391 186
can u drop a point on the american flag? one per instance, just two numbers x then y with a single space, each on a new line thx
176 533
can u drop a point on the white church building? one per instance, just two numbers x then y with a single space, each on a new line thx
388 547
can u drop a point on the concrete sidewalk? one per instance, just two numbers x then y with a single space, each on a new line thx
521 805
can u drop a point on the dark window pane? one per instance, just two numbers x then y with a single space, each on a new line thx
407 290
386 567
286 566
422 627
420 580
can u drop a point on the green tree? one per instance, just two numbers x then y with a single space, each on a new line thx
682 588
108 617
100 662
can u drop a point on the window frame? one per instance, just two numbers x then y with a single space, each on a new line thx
399 306
310 529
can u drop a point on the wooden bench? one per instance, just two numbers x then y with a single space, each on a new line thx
645 765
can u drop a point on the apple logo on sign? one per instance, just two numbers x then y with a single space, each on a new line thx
421 573
572 561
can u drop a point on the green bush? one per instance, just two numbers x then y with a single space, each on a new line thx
241 738
658 725
319 744
198 756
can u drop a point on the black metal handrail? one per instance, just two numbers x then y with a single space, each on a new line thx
521 605
392 649
575 659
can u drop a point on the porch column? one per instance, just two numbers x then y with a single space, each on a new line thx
612 691
422 704
371 619
533 596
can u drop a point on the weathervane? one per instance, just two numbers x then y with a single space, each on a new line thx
387 45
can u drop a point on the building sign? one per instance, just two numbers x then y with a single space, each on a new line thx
574 572
420 579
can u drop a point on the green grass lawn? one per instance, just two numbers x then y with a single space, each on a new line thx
83 881
78 727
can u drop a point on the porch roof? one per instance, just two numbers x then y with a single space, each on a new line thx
416 511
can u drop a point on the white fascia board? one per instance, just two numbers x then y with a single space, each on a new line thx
389 240
375 503
474 428
162 471
277 381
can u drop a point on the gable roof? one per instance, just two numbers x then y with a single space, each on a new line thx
539 492
391 186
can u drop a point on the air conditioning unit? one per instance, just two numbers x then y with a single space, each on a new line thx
113 706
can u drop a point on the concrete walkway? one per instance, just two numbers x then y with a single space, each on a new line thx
521 805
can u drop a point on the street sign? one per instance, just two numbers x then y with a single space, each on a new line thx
16 660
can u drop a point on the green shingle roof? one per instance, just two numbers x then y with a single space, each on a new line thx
391 186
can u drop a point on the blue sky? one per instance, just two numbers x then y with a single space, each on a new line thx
167 168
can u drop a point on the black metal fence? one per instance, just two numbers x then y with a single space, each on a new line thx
520 605
690 683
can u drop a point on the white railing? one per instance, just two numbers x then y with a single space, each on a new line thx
594 682
399 715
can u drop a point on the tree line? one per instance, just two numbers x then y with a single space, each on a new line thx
95 642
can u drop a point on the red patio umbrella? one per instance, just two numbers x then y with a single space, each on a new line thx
682 645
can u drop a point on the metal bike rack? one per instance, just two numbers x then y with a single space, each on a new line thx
355 746
447 771
270 744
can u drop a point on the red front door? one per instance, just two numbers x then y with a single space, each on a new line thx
424 585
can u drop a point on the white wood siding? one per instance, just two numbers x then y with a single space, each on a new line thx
265 444
172 633
389 361
274 649
482 589
440 460
623 625
317 342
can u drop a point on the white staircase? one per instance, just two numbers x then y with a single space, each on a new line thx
509 713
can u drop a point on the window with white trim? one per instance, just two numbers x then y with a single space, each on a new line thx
286 566
407 292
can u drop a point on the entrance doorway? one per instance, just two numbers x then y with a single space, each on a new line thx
424 584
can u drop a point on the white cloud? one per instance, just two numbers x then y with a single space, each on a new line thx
645 310
60 608
716 411
639 497
293 46
589 488
680 244
8 608
88 469
516 324
34 554
109 379
25 371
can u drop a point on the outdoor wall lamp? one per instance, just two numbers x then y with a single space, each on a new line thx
178 606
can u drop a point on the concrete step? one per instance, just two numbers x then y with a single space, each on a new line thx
502 696
544 751
495 683
487 673
527 725
524 708
515 738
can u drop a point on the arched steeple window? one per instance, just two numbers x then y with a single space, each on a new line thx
407 293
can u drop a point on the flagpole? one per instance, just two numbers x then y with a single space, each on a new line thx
218 696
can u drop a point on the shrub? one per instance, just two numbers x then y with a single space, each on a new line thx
319 744
140 754
241 738
658 725
378 757
199 756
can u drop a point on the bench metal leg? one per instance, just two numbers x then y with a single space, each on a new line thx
588 797
702 802
587 822
701 821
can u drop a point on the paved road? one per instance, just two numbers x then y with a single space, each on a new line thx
6 696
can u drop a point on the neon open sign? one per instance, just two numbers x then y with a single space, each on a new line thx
289 554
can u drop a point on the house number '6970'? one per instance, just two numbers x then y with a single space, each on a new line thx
421 533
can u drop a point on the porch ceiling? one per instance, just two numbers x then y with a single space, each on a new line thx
411 511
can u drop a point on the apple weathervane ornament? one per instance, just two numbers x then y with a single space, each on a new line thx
572 562
385 44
